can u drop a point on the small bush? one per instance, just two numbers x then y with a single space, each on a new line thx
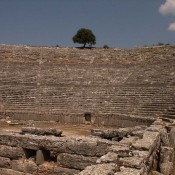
106 47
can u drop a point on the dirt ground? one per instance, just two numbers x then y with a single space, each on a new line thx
68 129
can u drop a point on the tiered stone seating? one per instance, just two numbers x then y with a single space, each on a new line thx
64 81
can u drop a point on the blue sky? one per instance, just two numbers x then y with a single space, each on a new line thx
117 23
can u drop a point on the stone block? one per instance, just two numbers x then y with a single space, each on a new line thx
166 168
108 158
172 136
155 128
148 143
129 171
50 168
128 140
121 150
78 162
4 162
132 162
25 166
4 171
41 131
100 169
11 152
166 154
156 173
70 144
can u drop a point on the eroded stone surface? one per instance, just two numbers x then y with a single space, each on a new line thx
108 158
74 161
41 131
100 169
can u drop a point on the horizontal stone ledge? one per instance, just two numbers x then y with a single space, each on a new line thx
132 162
74 161
41 131
129 171
81 145
25 166
148 143
4 162
100 169
4 171
53 168
11 152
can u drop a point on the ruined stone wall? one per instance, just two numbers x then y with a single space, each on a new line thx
132 151
62 84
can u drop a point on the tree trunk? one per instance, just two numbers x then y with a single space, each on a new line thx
84 45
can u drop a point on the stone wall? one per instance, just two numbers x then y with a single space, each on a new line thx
132 151
63 84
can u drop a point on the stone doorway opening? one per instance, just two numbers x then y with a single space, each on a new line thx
87 116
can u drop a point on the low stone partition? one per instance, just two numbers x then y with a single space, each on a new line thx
124 151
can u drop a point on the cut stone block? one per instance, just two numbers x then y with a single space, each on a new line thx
100 169
155 128
148 143
4 162
25 166
166 168
129 171
108 158
166 154
132 162
54 169
75 161
128 140
41 131
121 150
4 171
11 152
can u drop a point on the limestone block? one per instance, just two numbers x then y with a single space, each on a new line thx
49 168
121 150
75 161
129 140
156 173
111 133
25 166
166 168
165 141
138 133
148 143
155 128
137 153
129 171
166 154
11 152
71 144
41 131
100 169
172 136
108 158
4 162
4 171
107 134
39 157
132 162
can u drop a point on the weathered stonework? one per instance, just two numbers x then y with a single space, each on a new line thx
31 153
120 87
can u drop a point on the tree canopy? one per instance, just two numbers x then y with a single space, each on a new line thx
84 36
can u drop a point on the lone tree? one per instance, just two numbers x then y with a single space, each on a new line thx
84 36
